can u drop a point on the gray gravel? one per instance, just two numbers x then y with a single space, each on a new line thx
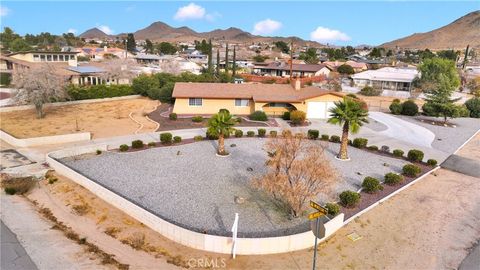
192 187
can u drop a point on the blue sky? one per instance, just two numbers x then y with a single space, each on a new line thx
340 23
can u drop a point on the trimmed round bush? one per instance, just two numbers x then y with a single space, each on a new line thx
197 119
409 108
198 138
262 132
385 149
360 142
250 133
373 147
172 116
286 116
432 162
313 134
238 133
473 105
137 144
396 108
298 117
258 116
392 178
98 152
166 138
415 155
335 138
371 185
273 133
325 137
398 152
370 91
10 190
177 139
333 209
123 148
349 198
411 170
428 109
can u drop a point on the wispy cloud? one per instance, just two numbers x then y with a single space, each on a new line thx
193 11
323 34
72 30
266 27
106 29
4 11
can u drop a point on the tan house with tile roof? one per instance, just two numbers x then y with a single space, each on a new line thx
243 99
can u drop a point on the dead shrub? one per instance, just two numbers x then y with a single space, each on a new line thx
178 261
112 231
81 209
136 240
19 184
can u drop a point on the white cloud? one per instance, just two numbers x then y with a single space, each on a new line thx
106 29
4 11
190 11
266 27
323 34
71 30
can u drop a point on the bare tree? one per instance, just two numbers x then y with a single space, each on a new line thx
172 67
38 85
297 172
119 69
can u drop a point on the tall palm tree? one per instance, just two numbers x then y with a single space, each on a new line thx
349 114
221 124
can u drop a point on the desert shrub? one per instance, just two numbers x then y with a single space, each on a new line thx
166 138
238 133
273 133
177 139
313 134
298 117
137 144
238 119
396 107
52 180
352 95
415 155
198 138
324 137
258 116
360 142
473 105
151 144
197 119
172 116
373 147
432 162
335 138
250 133
286 116
349 198
409 108
262 132
371 185
411 170
333 209
10 191
370 91
98 152
123 148
392 178
398 153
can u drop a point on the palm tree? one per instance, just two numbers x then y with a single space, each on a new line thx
352 116
221 124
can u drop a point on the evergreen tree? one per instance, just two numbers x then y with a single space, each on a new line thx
210 64
226 59
218 62
131 45
234 66
148 46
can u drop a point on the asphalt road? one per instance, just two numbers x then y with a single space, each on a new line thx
13 254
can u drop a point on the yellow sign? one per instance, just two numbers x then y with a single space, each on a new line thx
318 207
315 215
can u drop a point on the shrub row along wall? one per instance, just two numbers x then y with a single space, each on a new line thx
36 141
212 243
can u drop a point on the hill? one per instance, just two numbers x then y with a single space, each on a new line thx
94 33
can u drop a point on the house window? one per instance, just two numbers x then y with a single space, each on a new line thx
55 57
36 58
49 58
42 57
241 102
60 58
195 102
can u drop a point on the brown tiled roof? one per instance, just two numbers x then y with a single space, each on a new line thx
257 92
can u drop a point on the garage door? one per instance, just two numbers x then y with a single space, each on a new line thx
319 110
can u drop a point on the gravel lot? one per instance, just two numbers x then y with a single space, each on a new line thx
192 187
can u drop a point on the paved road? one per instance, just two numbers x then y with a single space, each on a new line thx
472 261
13 254
462 165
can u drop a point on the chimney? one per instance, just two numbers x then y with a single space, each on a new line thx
298 84
105 48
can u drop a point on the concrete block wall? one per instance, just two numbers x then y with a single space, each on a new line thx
36 141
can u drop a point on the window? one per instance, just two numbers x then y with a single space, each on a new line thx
195 102
49 57
241 102
60 58
42 57
36 58
55 57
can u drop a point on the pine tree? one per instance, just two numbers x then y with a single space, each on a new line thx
226 59
218 62
210 64
234 66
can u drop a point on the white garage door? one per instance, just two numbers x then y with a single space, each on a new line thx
319 110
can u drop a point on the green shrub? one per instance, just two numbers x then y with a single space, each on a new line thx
411 170
298 117
396 108
238 119
360 142
352 95
273 133
137 144
198 138
250 133
324 137
151 144
10 191
177 139
313 134
398 153
432 162
238 133
335 138
333 209
99 91
52 180
123 148
197 119
166 138
172 116
371 185
286 116
349 198
415 155
262 132
98 152
370 91
473 105
373 147
258 116
392 178
409 108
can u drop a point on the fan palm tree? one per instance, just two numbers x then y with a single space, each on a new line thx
221 124
349 114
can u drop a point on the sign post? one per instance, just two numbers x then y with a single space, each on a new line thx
321 211
234 235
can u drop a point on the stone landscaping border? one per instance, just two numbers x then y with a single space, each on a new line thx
37 141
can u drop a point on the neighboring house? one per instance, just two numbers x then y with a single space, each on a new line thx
282 69
243 99
98 54
357 66
87 75
389 79
148 59
69 58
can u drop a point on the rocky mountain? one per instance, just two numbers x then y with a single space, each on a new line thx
456 35
94 33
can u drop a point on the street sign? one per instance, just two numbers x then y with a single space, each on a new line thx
315 215
318 207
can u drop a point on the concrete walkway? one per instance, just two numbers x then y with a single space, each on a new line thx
13 255
472 261
462 165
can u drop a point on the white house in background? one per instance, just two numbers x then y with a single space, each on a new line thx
391 80
282 69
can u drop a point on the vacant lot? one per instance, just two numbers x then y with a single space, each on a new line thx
103 119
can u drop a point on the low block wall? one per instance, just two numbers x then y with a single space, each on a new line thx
36 141
212 243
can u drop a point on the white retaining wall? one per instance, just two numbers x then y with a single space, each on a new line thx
35 141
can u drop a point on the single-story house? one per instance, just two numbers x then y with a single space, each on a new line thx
245 98
387 78
282 69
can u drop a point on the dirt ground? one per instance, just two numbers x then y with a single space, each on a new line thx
105 119
381 103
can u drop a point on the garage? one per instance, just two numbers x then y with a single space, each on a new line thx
319 110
